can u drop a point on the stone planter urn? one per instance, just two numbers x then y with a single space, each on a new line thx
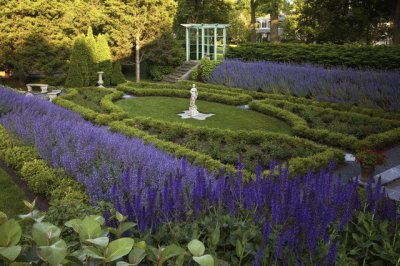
100 81
367 171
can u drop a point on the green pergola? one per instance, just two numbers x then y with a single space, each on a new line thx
206 35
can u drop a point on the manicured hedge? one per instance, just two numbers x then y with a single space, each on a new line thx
301 128
169 91
130 127
358 56
176 132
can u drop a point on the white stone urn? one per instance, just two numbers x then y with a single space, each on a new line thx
100 81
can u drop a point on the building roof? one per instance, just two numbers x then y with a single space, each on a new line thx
206 26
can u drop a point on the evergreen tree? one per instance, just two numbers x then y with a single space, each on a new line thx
103 58
78 66
117 77
92 67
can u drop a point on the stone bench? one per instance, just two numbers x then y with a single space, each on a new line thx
53 94
43 87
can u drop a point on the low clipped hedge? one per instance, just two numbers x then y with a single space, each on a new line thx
336 139
129 127
299 165
114 112
357 56
170 91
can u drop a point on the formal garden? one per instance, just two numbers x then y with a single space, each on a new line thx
255 153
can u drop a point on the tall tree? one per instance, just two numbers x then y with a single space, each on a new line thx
137 22
92 65
396 22
274 15
253 7
78 74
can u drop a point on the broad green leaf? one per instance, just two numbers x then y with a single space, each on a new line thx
123 263
171 251
34 215
98 218
89 228
10 233
239 248
180 260
45 234
122 228
55 253
215 236
100 241
137 255
141 244
118 248
121 218
93 253
72 260
196 247
10 253
206 260
74 224
3 217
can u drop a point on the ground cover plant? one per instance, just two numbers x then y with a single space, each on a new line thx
356 56
370 88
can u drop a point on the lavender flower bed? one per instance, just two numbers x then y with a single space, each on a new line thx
151 187
365 87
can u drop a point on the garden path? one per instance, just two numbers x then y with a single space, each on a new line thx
389 173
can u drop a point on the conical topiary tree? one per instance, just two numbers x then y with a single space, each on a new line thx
78 75
117 77
103 58
92 66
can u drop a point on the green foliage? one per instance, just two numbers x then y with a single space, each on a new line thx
358 56
117 77
103 58
39 177
11 195
157 72
15 156
206 68
163 55
92 66
78 73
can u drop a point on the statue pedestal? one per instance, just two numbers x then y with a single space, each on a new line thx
193 111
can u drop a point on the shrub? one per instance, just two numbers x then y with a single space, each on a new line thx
117 77
157 72
206 68
39 177
103 58
15 156
358 56
78 73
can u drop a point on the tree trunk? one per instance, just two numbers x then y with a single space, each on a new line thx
137 58
275 22
253 20
396 23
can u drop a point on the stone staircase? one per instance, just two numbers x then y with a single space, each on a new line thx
182 72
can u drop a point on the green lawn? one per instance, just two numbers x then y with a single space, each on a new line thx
11 196
226 116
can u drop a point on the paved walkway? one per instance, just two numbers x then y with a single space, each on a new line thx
389 173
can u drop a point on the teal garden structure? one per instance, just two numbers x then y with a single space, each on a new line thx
206 38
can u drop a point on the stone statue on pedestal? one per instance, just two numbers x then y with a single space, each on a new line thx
192 104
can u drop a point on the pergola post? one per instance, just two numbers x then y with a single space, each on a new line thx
187 44
224 41
208 42
215 42
197 44
202 43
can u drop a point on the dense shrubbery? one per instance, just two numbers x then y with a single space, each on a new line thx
205 69
362 87
357 56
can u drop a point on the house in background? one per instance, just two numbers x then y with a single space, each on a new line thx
264 27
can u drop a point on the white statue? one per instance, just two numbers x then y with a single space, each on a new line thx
192 105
